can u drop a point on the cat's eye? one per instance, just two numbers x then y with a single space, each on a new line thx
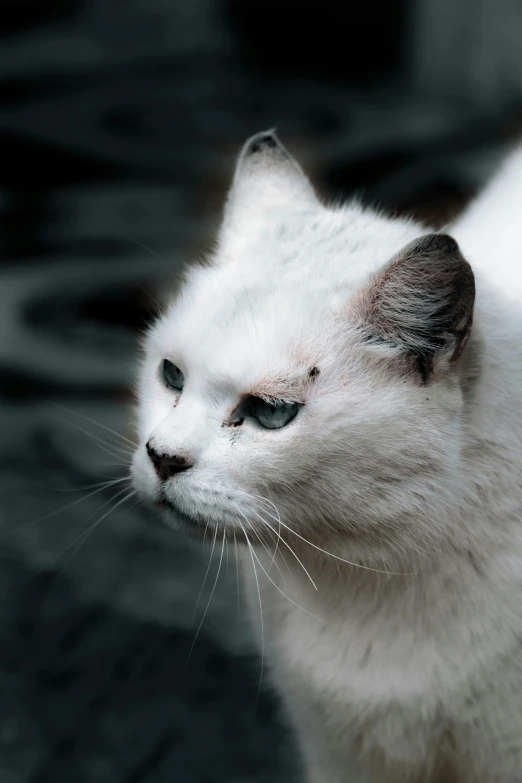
273 416
172 376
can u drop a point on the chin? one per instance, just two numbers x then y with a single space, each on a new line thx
197 527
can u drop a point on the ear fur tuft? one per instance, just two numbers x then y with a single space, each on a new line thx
420 303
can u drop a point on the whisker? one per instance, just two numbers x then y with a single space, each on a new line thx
79 540
278 539
281 591
287 545
124 457
283 558
100 484
270 502
237 574
271 555
330 554
118 464
58 511
209 600
268 575
93 421
158 306
153 252
107 502
110 447
260 613
265 547
206 572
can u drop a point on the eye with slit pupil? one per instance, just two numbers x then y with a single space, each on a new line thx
172 376
270 416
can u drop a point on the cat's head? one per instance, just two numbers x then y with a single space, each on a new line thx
308 379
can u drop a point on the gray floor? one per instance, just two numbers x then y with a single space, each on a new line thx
120 131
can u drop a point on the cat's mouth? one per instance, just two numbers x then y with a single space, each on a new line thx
193 526
196 526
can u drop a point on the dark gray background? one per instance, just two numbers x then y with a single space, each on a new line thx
120 122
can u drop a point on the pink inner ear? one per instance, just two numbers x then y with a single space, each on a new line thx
421 301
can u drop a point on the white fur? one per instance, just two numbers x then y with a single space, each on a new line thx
416 663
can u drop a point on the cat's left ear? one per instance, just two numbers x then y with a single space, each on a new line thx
420 305
266 177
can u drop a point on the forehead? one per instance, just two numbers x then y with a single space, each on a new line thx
224 327
270 300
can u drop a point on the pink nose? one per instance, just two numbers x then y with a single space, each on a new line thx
167 465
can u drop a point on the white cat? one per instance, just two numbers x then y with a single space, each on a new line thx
330 381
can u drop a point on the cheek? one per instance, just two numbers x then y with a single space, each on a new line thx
263 462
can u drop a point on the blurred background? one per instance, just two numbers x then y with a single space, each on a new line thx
119 126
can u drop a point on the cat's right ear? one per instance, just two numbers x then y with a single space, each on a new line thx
420 305
266 178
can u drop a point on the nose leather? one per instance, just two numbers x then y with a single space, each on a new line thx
167 465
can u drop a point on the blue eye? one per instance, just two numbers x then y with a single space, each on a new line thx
173 378
273 417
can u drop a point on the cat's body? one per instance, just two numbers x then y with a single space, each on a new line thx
402 454
421 678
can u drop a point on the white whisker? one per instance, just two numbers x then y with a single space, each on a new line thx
209 600
330 554
79 540
110 448
260 612
59 510
260 540
237 574
101 484
153 253
263 520
206 573
93 421
95 524
281 591
272 555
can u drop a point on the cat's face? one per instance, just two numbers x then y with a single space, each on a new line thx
307 379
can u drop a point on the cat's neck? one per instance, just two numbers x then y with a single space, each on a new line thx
325 586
